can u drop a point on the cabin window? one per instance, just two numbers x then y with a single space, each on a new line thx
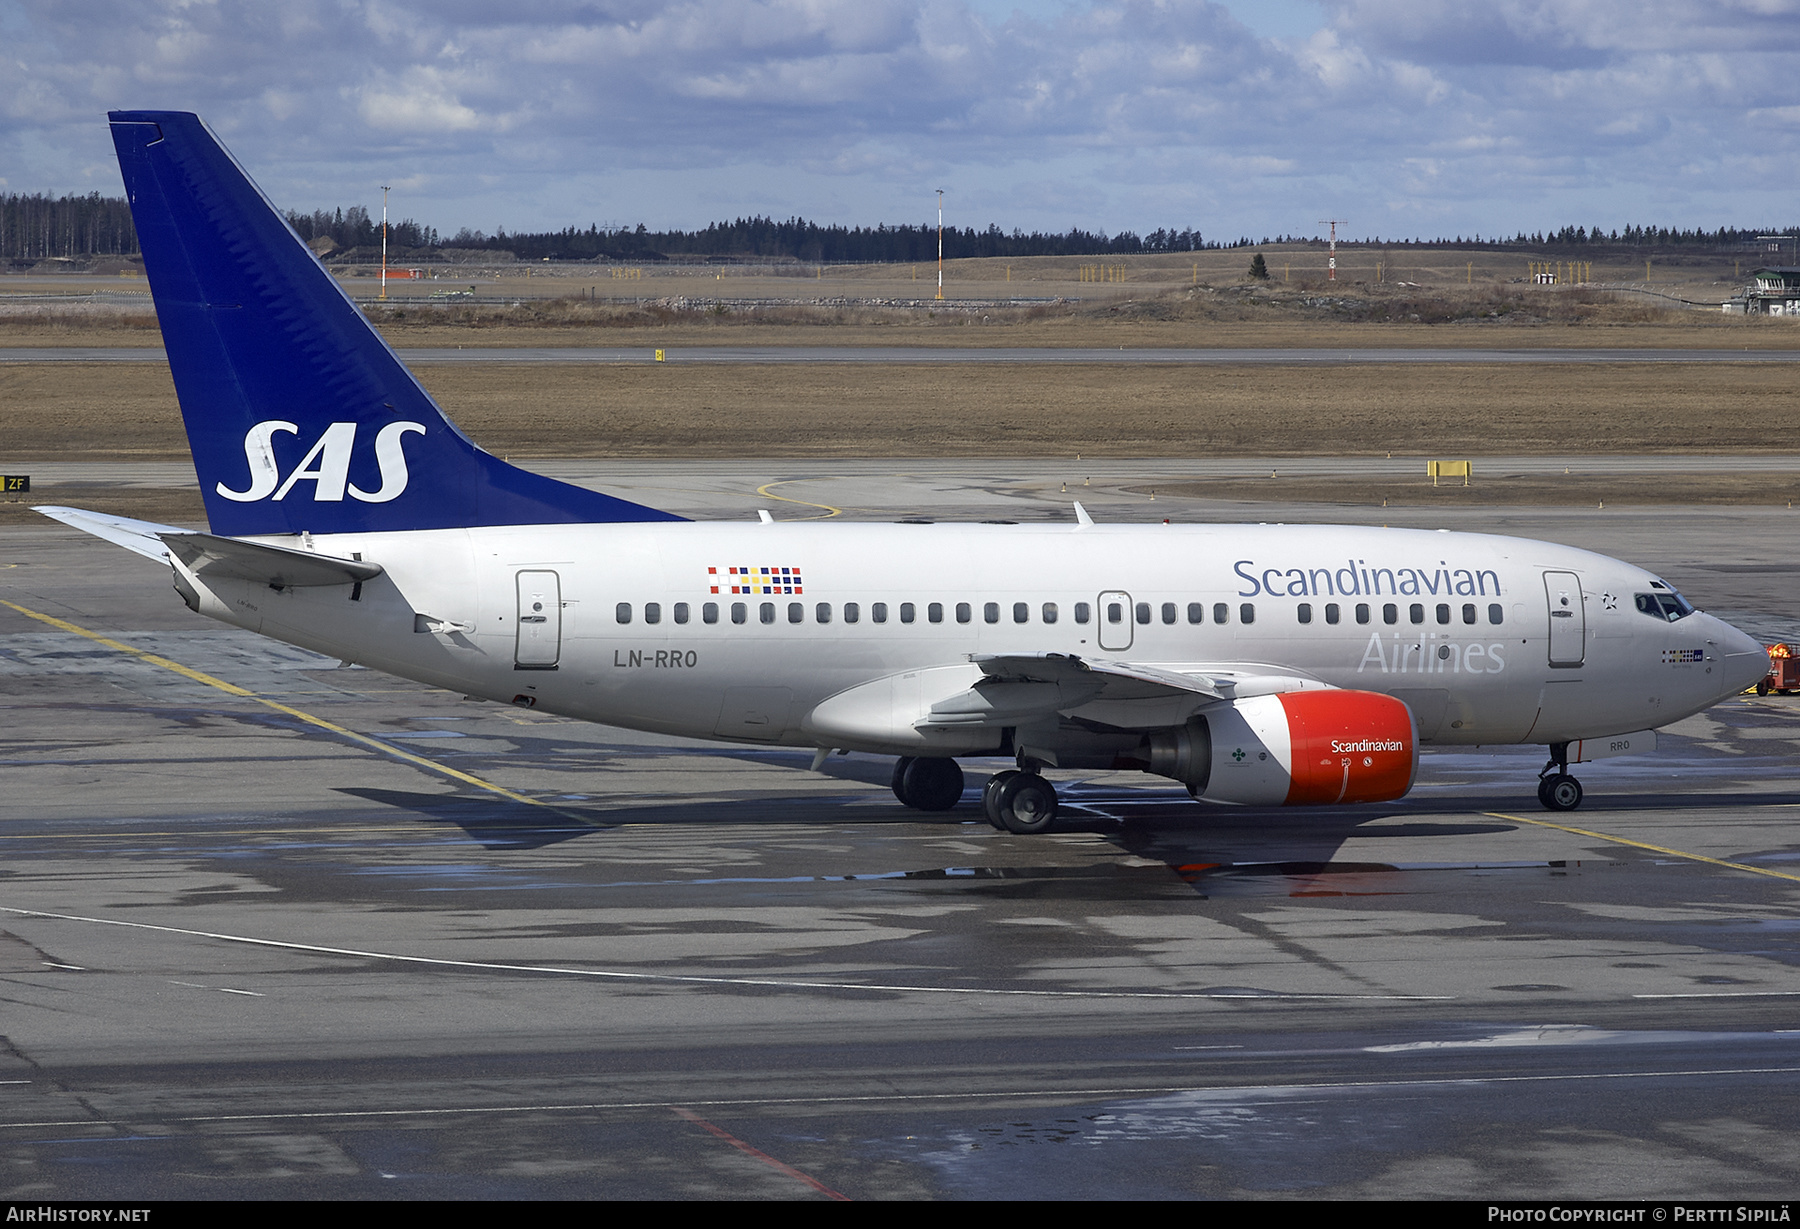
935 612
1390 613
1143 612
767 612
990 611
653 612
1416 612
878 611
1196 612
622 612
1468 612
1443 613
822 612
1021 612
1115 612
709 613
1362 612
1331 612
796 612
852 612
1082 612
739 612
1221 612
964 612
906 612
1496 614
1049 612
1305 612
1247 613
1168 612
681 612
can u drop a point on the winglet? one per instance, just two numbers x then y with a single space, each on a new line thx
1081 515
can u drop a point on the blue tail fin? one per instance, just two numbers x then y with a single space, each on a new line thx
299 416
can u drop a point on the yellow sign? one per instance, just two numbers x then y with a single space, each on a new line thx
1449 469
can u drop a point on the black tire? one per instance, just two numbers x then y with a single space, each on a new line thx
990 797
1561 792
1028 804
1762 687
899 781
1544 793
933 785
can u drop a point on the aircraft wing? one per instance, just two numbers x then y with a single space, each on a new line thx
140 537
1019 688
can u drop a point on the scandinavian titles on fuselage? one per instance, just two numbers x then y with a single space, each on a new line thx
1357 579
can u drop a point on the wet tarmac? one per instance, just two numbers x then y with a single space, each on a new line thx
324 933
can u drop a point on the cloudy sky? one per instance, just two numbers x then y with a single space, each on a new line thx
1403 117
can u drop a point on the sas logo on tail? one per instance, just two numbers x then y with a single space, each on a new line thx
326 466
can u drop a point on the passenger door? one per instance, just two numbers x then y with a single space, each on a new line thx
539 644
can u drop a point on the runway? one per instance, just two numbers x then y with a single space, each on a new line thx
321 933
1015 355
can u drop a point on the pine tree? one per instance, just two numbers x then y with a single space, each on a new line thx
1258 268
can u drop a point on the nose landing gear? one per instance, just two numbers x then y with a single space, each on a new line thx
1557 790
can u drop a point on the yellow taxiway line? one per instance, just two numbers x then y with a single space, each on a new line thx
766 493
1674 853
232 689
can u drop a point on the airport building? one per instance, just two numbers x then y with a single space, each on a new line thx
1775 291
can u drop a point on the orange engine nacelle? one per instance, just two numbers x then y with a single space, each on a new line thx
1301 748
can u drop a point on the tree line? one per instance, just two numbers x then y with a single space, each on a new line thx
40 226
37 226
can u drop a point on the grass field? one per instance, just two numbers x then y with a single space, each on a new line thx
127 411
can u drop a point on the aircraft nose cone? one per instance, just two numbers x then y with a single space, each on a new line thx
1742 660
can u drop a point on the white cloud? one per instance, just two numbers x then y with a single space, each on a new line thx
1111 114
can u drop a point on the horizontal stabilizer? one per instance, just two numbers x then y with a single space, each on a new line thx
279 567
141 537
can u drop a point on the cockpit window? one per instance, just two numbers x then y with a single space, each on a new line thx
1668 605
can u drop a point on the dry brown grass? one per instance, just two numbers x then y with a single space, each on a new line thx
72 412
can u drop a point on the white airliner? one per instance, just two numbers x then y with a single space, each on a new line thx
1263 665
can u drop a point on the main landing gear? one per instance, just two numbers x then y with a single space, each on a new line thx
928 784
1017 800
1557 790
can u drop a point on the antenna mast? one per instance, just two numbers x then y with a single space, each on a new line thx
940 193
1331 265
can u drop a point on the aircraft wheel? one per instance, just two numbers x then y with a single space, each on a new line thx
1027 804
899 782
1560 792
990 797
932 784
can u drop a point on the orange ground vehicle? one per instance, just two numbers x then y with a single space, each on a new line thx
1784 672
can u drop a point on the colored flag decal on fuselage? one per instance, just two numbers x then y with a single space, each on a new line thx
765 580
